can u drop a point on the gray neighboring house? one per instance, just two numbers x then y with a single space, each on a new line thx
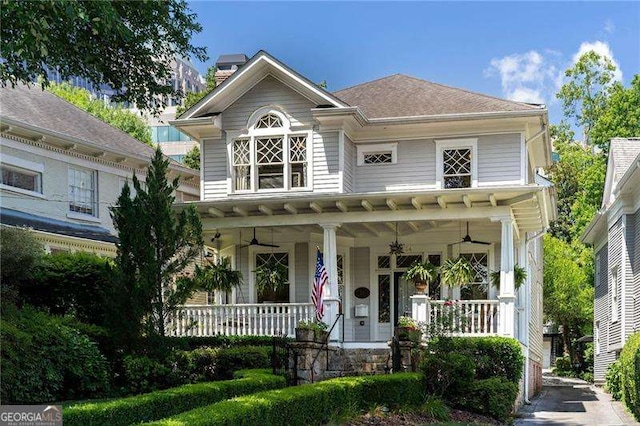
615 235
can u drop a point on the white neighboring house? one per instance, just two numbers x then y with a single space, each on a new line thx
63 168
615 236
395 159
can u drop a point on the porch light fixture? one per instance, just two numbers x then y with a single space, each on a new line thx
396 247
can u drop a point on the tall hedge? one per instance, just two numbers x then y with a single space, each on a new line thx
630 374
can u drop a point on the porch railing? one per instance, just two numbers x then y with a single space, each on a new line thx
259 319
465 317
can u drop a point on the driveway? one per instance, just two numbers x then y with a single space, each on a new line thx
565 401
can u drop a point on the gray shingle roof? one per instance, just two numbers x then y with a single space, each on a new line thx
624 152
36 107
400 95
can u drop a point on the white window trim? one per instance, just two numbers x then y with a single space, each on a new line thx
597 271
284 248
596 338
442 144
252 133
613 292
96 202
377 148
27 167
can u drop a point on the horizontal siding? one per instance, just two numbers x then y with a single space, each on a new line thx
416 167
499 159
302 281
325 162
635 290
535 260
350 162
601 313
215 168
269 91
628 301
361 278
615 258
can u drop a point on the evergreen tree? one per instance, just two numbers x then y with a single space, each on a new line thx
155 245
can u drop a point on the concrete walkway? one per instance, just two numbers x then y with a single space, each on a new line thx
566 401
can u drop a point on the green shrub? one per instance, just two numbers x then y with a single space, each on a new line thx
563 365
630 374
44 360
447 374
234 359
494 397
613 380
165 403
143 374
492 356
308 404
191 343
436 409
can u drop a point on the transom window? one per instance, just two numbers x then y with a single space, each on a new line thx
378 158
456 163
21 178
373 154
269 156
82 191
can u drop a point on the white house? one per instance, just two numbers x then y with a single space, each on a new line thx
615 236
63 168
443 171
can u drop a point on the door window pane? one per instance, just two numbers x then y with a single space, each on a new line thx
384 298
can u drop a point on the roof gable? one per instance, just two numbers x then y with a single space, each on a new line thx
623 152
260 65
400 95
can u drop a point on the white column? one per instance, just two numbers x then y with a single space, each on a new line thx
507 295
331 298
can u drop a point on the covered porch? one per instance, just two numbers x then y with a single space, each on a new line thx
366 284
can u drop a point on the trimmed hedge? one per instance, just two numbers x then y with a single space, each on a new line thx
308 404
494 397
630 374
493 356
191 343
169 402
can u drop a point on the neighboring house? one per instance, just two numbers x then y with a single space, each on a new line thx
62 169
615 236
397 158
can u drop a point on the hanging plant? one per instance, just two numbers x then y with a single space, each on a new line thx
421 274
217 276
271 276
457 272
519 277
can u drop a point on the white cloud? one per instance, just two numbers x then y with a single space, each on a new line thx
609 26
525 77
602 49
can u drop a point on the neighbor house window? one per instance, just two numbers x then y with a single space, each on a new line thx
596 338
270 156
614 294
456 163
82 191
374 154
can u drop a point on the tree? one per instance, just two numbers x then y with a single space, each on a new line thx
20 255
116 116
155 245
584 96
193 98
621 117
192 159
128 45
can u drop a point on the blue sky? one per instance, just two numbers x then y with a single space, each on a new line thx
515 50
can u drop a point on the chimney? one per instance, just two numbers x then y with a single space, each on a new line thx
227 65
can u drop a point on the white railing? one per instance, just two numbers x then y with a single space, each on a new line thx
259 319
465 317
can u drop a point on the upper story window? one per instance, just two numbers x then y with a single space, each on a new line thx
372 154
83 194
21 176
456 163
614 294
270 156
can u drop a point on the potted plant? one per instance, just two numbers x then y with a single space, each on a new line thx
217 276
457 272
408 329
311 331
519 277
271 276
421 274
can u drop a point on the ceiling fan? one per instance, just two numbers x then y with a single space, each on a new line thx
254 242
467 239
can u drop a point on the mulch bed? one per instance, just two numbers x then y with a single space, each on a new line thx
393 419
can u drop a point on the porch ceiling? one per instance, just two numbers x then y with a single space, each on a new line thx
374 214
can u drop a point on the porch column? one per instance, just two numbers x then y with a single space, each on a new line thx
507 295
331 297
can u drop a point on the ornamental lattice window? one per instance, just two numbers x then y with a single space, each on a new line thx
298 161
269 121
270 161
378 158
242 164
456 168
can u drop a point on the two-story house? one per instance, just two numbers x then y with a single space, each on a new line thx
288 167
615 236
62 169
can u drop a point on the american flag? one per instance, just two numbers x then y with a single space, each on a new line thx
319 280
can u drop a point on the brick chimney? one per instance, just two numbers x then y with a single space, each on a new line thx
227 65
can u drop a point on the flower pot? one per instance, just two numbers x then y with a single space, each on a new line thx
421 287
405 334
305 335
321 336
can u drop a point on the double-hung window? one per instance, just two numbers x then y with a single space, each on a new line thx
21 176
83 194
456 163
270 156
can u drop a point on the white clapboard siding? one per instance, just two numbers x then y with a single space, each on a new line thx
634 285
535 298
269 91
416 167
302 279
615 260
499 159
350 161
214 182
361 333
601 314
325 162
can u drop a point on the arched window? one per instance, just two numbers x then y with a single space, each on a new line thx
270 156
